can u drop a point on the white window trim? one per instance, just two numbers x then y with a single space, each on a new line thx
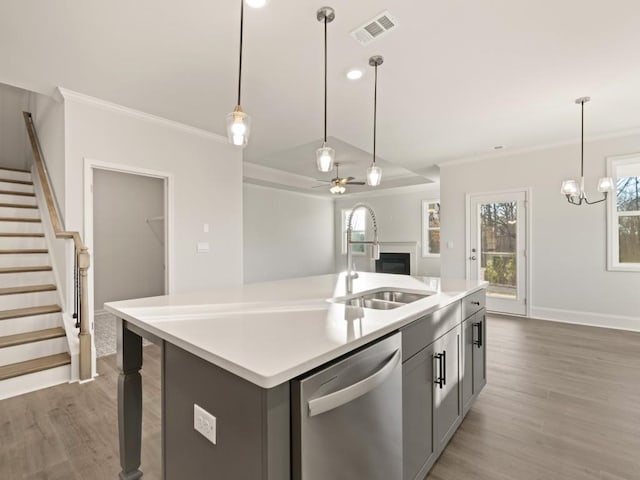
613 253
343 228
425 230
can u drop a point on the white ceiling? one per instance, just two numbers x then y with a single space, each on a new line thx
459 76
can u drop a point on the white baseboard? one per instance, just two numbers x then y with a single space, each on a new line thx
618 322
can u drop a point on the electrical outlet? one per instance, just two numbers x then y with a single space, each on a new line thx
205 423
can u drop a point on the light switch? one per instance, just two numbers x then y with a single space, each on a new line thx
203 247
205 228
449 244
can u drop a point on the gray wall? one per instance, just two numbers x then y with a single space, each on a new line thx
206 175
286 234
568 250
128 249
14 147
399 218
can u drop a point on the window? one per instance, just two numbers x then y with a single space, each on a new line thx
623 219
430 228
358 230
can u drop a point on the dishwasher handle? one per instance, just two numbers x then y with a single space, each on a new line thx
350 393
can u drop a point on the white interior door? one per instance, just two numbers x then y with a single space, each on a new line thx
498 248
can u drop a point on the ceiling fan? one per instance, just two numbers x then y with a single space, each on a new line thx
338 183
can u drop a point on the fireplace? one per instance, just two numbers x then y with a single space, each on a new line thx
399 263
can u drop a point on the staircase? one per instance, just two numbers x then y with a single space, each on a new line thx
33 345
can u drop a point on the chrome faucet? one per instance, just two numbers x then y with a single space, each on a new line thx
375 246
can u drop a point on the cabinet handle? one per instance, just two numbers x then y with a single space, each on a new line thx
350 393
475 303
439 380
478 342
444 367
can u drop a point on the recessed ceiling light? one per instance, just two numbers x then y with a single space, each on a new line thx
355 74
256 3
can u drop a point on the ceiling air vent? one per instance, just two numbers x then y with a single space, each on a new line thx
374 28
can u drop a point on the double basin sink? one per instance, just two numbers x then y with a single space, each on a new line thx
382 299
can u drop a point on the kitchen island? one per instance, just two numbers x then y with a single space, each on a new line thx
236 352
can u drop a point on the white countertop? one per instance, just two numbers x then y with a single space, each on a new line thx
269 333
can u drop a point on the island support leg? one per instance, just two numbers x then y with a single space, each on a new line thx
129 401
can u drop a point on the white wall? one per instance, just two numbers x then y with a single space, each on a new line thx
399 218
128 236
206 176
286 234
48 118
568 252
14 151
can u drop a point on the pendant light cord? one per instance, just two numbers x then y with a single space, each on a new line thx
375 111
582 143
325 79
240 59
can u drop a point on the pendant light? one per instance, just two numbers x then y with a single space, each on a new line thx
573 190
374 173
238 122
325 155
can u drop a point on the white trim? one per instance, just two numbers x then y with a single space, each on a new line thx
613 244
383 192
548 146
425 230
70 95
592 319
89 166
528 196
320 198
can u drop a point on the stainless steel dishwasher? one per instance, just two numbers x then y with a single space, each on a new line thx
347 417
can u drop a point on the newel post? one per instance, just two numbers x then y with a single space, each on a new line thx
85 331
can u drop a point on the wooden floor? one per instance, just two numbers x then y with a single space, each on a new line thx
562 403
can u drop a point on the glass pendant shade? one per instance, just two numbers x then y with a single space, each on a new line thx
238 127
605 184
337 189
374 175
324 158
257 3
569 187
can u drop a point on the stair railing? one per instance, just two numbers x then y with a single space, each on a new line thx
81 253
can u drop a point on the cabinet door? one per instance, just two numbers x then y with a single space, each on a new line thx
467 375
448 407
419 451
479 351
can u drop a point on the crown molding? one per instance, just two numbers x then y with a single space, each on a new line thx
548 146
63 95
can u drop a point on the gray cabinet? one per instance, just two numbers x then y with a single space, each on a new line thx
430 390
474 361
443 370
447 409
419 450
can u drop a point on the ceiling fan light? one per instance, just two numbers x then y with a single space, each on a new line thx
337 189
605 184
238 127
569 187
325 157
374 175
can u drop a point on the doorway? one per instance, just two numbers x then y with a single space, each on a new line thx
126 227
497 231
